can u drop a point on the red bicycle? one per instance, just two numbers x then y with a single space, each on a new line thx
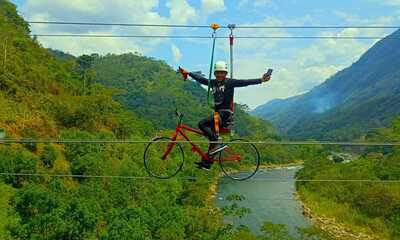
164 157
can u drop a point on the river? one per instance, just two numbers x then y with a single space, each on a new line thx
270 197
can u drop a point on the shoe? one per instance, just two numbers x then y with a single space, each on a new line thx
203 165
217 149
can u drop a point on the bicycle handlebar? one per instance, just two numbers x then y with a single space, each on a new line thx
178 114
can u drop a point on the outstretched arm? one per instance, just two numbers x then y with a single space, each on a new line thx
244 83
199 78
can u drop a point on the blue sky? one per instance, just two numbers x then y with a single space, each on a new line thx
299 64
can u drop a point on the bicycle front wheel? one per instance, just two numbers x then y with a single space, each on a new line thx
240 160
163 158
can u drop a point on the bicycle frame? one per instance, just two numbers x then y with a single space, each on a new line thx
180 131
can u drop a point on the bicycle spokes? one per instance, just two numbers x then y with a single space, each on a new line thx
163 158
230 155
240 160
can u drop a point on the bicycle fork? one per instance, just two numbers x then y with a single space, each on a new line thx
170 146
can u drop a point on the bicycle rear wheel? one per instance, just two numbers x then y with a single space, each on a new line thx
240 160
161 168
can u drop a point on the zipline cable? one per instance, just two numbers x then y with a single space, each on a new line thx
283 180
211 37
207 26
118 24
127 141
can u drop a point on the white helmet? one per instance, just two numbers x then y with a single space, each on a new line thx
221 66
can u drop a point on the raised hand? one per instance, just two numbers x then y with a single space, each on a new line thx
266 77
184 73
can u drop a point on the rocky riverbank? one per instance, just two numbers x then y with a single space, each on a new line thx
212 192
282 165
331 226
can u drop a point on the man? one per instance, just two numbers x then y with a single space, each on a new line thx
223 91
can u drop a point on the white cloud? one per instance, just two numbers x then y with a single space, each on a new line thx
388 2
302 70
88 45
256 3
212 6
176 53
242 3
117 11
251 47
284 83
259 3
321 73
181 12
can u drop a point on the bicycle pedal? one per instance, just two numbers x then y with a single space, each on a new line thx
203 168
218 150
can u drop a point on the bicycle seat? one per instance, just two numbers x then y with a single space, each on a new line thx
224 130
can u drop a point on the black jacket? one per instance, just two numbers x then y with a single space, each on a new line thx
224 91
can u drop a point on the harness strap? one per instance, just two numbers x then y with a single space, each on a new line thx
216 123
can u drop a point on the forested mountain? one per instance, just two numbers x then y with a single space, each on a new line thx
364 96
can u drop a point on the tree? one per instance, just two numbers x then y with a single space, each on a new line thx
127 224
17 161
85 63
49 156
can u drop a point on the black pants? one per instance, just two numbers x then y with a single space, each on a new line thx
207 126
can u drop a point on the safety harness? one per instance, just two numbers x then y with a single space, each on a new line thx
217 129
